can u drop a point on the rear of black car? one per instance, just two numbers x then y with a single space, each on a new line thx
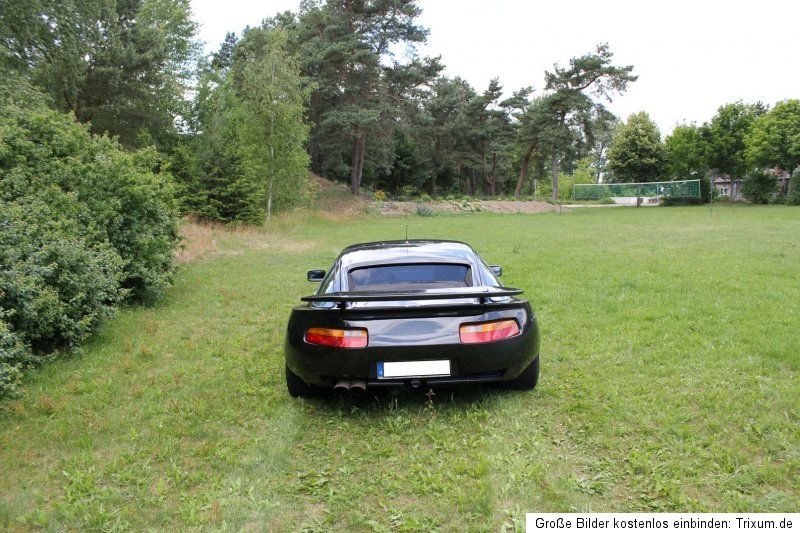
416 319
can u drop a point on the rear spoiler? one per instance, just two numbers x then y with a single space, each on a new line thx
474 292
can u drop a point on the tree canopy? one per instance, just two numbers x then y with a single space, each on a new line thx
637 153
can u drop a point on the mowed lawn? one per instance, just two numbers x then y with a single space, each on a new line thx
670 366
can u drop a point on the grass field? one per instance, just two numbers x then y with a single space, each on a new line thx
670 365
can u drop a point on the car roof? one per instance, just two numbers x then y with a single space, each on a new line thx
411 251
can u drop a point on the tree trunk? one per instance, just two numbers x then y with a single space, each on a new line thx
554 173
435 166
493 182
523 172
357 163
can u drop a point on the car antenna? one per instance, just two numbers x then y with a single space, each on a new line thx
406 233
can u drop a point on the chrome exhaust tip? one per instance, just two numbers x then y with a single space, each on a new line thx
341 386
358 387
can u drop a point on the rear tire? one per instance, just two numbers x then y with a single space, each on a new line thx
528 379
297 387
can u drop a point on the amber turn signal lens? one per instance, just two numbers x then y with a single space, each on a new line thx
337 338
488 331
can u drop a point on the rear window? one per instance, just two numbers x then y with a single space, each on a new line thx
410 277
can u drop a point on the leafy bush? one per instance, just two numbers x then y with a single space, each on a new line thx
14 356
606 201
759 186
380 196
57 284
425 198
113 196
84 225
402 198
793 196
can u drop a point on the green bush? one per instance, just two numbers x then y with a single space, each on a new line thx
793 196
425 198
115 196
14 356
759 186
57 284
84 226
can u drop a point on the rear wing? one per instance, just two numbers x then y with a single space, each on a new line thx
483 293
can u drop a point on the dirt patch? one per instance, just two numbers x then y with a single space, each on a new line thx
197 239
201 239
333 199
522 206
463 206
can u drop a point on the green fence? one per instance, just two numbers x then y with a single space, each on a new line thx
665 189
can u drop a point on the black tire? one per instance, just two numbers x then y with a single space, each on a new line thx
297 387
528 379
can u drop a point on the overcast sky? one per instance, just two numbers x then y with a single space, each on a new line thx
691 56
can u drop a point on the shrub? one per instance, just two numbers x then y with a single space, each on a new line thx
424 210
402 198
606 201
83 226
115 195
759 186
425 198
57 284
14 356
380 196
793 196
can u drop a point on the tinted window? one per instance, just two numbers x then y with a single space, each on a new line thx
410 277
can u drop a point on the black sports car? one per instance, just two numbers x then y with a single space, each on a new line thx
418 313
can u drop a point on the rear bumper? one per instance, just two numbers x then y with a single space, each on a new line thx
469 363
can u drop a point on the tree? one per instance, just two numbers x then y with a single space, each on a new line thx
759 186
570 104
120 66
442 127
793 196
686 156
726 135
604 123
345 47
774 140
685 153
251 148
636 153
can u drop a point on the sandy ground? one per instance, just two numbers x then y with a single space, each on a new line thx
493 206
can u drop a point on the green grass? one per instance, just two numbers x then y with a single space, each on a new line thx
669 381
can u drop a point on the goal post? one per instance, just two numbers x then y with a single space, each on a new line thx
630 193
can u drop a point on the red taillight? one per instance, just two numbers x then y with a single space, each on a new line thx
337 338
488 331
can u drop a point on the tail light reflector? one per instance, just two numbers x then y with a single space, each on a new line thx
337 338
488 331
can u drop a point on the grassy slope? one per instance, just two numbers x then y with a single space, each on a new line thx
669 381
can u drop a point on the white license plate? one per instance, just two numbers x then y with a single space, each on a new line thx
413 369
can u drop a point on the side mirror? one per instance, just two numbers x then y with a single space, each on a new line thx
316 275
497 270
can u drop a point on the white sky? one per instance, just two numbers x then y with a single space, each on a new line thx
691 56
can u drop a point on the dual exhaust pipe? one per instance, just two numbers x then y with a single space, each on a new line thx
356 387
